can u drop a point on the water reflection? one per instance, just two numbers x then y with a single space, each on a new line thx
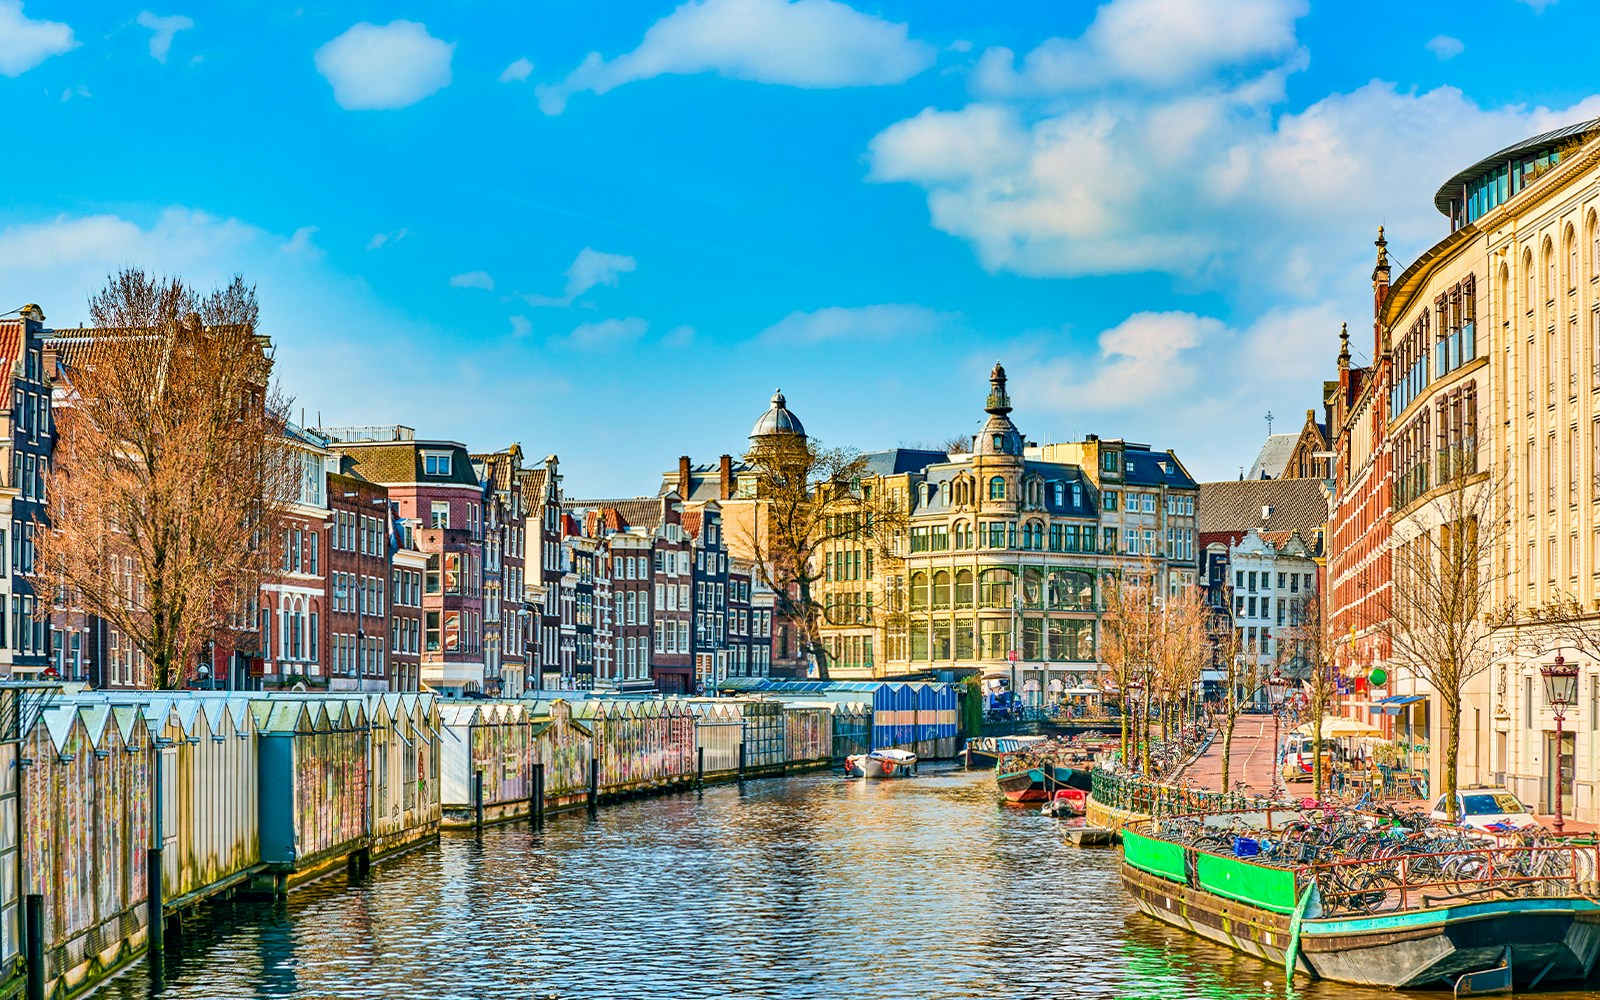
796 888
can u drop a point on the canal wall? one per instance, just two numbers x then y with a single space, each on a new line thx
134 808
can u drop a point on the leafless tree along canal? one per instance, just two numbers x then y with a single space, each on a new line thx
801 887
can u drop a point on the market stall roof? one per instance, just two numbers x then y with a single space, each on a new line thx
1335 727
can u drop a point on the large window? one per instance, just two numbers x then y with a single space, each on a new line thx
997 488
941 589
997 587
919 590
963 595
436 463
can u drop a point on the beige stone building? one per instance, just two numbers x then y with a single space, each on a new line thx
1003 562
1493 339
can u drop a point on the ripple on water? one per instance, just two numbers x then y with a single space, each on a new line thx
795 888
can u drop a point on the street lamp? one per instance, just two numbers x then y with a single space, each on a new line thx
1136 688
1277 685
1561 690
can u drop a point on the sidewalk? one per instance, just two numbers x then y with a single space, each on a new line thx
1251 760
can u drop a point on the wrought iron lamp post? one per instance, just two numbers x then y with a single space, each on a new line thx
1277 685
1561 690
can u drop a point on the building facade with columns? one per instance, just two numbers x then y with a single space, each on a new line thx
1487 369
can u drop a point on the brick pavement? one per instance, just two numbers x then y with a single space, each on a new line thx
1251 760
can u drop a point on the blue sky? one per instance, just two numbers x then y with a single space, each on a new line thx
608 231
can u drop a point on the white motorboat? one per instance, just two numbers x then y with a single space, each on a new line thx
881 764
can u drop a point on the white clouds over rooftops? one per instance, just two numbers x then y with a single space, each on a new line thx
841 323
25 43
380 67
1152 43
1215 186
162 30
805 43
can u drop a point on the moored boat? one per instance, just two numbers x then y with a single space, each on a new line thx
1040 781
889 763
1355 922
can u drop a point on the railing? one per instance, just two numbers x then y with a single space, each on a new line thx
1418 881
1135 794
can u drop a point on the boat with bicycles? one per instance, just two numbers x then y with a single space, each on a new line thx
890 763
1380 899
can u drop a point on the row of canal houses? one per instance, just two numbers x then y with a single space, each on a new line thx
121 812
408 564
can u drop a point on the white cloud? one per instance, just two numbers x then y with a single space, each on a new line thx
378 67
1210 185
608 333
516 72
1445 47
590 269
162 29
473 279
805 43
300 243
1538 5
1174 356
521 326
381 240
854 324
679 336
1150 43
25 43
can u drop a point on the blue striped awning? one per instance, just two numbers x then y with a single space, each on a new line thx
1394 703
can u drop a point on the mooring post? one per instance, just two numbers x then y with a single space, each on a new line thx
155 916
33 942
477 799
594 786
536 807
700 769
741 762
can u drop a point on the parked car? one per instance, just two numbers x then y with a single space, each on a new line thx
1488 809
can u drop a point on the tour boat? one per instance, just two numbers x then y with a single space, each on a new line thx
1038 782
880 764
1485 940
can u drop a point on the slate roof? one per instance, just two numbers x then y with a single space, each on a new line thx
1143 467
898 461
1235 506
1088 499
1273 457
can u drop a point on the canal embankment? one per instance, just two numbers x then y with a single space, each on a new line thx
136 808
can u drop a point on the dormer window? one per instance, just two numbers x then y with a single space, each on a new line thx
436 463
1058 492
999 442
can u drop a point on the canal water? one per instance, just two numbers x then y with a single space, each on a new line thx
800 887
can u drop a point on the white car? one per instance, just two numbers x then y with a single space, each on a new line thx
1493 810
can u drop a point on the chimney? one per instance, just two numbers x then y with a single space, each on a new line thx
1266 512
725 477
683 476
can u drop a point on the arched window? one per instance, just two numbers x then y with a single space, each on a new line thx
1572 259
996 587
1549 270
1594 246
941 589
944 491
919 591
997 488
1059 491
1033 588
1531 278
961 535
963 588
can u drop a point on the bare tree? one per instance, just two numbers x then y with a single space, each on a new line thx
1242 681
1305 655
1130 646
1440 612
957 444
170 477
810 500
1180 651
1571 624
